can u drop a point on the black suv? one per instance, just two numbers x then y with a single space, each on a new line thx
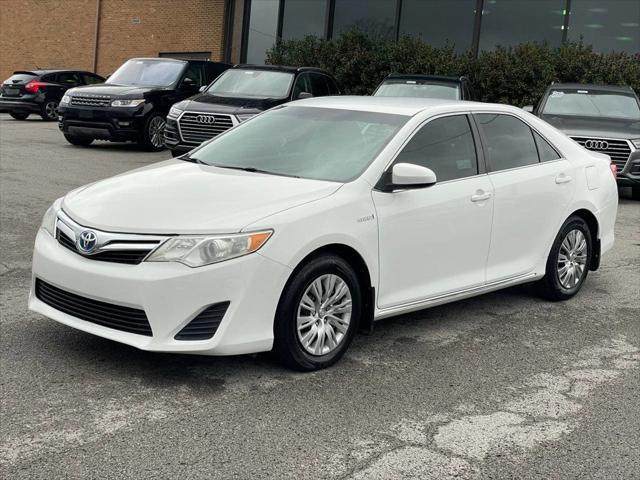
40 91
237 95
602 118
425 86
132 104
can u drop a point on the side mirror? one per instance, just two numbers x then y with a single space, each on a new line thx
202 88
528 108
404 176
303 95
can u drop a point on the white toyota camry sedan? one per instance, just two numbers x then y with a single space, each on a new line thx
303 225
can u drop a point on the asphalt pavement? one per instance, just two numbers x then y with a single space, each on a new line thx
501 386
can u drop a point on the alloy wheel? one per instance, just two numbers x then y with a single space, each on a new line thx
324 314
156 131
51 110
572 259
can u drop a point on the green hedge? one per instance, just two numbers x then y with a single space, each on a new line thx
515 75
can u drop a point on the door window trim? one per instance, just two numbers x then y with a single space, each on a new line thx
480 162
483 142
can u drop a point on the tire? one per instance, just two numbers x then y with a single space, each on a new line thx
564 278
322 350
19 115
152 137
635 193
76 140
49 111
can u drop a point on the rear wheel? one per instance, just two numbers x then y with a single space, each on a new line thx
569 261
19 115
318 314
49 111
152 137
76 140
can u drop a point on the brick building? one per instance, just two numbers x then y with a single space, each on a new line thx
99 35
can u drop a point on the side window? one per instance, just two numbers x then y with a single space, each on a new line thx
195 71
90 79
509 141
48 78
444 145
318 85
69 79
545 150
302 85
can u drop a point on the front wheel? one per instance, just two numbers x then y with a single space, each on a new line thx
19 115
569 261
49 111
318 314
152 137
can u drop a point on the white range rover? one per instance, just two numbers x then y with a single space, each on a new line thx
308 222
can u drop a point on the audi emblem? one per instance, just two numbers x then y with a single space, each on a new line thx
596 144
87 241
208 119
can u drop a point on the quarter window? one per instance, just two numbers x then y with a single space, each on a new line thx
545 151
509 141
444 145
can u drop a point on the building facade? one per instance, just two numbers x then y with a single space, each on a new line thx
99 35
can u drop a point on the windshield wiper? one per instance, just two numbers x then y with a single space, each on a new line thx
188 158
254 170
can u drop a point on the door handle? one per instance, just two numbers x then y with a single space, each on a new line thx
481 196
562 178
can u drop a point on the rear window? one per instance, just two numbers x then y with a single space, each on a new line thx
20 78
418 88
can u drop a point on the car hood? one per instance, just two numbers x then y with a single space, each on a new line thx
594 127
178 197
216 104
114 90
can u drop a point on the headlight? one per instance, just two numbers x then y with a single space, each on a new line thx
65 100
636 142
196 251
245 116
127 103
49 219
174 112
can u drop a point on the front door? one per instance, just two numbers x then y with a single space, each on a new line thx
435 240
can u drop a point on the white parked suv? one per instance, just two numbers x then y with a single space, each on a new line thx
308 222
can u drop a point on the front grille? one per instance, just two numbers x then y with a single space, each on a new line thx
195 127
83 101
204 326
618 150
128 256
126 319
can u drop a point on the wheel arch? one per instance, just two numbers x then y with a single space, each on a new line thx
594 228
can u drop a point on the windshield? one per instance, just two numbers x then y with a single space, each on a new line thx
319 143
151 73
592 103
416 88
252 83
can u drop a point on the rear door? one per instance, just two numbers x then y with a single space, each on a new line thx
533 187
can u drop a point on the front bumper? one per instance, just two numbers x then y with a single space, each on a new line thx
630 174
20 105
171 294
103 123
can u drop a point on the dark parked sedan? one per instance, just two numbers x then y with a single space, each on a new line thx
40 91
602 118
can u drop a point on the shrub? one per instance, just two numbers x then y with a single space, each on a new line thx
516 75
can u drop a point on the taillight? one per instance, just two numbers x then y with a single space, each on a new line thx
614 169
34 86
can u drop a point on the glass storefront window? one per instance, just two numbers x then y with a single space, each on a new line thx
303 17
439 22
374 17
608 26
511 22
263 29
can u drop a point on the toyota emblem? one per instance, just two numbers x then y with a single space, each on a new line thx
596 144
87 241
208 119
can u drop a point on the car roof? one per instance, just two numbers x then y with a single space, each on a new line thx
395 105
412 76
281 68
593 86
44 71
164 59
